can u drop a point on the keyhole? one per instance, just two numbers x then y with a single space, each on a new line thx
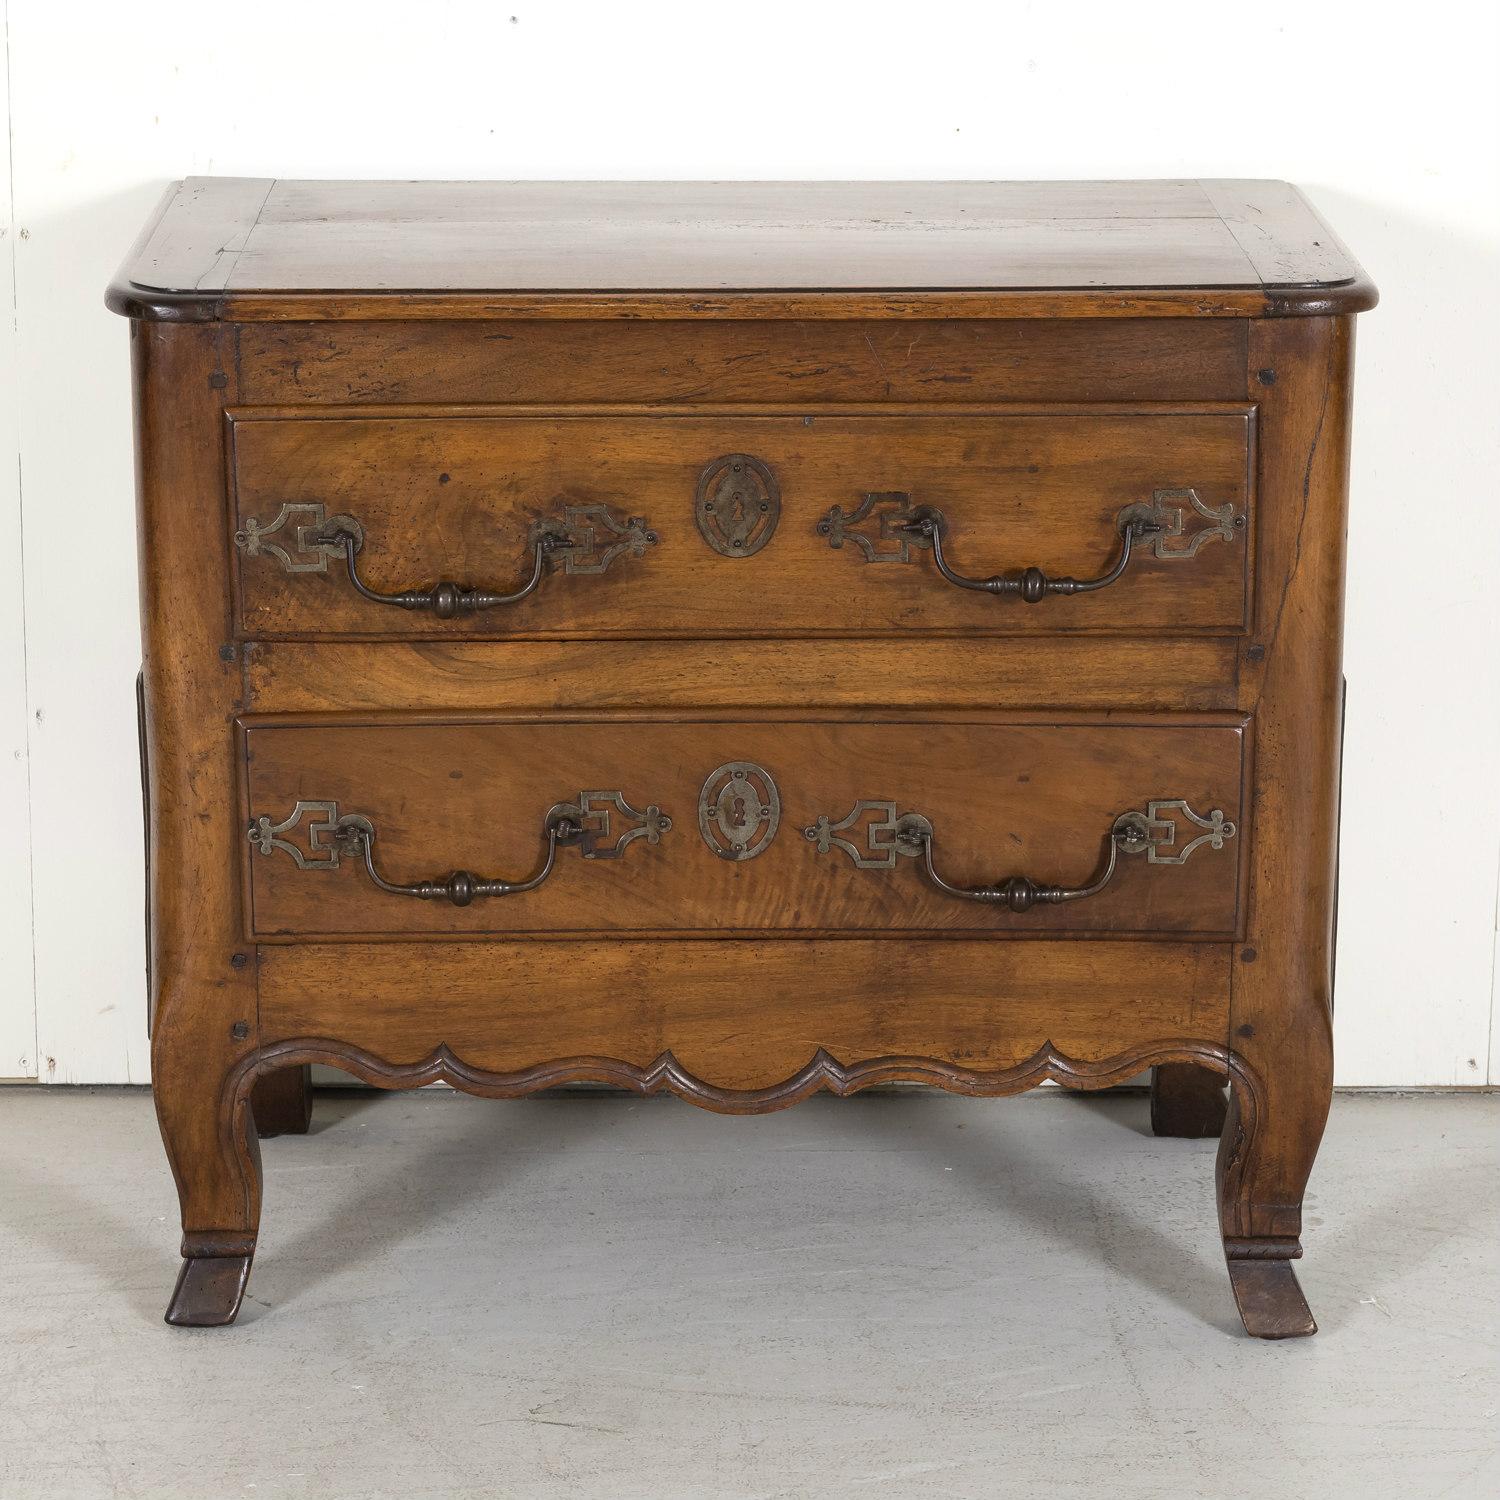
737 813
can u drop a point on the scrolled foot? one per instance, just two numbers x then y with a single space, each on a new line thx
1271 1303
209 1290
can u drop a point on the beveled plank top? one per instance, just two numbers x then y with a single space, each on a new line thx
227 244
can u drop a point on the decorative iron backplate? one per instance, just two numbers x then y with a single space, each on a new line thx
607 824
306 537
739 810
738 505
874 527
327 835
595 537
882 844
587 538
599 839
1161 844
1172 510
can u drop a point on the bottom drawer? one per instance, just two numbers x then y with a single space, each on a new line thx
915 823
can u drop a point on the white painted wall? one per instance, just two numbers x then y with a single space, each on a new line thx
17 996
1391 127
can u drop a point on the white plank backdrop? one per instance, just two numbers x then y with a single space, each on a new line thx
1392 128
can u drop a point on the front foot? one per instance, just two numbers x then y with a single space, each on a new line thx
209 1290
1271 1303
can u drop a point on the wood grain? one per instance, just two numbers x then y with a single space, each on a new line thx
724 236
1081 672
446 497
196 234
971 1004
1287 244
538 362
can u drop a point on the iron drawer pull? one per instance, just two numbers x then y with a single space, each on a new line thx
909 835
446 599
462 886
1031 584
1020 892
580 538
585 825
887 518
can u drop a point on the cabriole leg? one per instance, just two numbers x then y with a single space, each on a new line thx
1266 1153
204 995
218 1187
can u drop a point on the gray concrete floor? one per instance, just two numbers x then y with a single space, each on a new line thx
896 1295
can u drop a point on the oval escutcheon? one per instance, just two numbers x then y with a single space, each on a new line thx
739 810
738 505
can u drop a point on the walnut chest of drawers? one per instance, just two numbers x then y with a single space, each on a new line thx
742 640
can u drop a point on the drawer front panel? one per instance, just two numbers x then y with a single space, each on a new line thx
784 824
721 526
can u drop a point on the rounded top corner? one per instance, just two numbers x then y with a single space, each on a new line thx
1324 299
150 304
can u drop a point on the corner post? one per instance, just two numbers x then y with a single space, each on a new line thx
1289 678
203 973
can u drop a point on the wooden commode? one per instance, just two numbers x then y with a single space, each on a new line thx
742 640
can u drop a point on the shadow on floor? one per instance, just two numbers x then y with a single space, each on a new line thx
413 1196
1037 1188
333 1108
409 1199
75 1229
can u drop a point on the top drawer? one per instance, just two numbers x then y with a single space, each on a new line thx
1103 520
